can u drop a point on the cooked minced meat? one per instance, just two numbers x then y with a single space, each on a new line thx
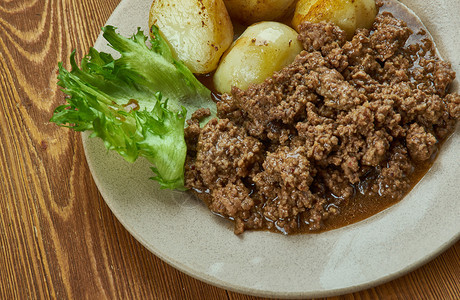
291 152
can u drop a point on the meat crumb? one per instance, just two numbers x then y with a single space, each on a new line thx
345 118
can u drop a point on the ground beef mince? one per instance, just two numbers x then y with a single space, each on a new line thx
346 119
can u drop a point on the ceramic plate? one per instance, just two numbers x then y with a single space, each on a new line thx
183 232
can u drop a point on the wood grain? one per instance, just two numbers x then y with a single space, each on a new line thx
58 239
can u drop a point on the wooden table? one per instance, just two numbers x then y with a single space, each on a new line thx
58 239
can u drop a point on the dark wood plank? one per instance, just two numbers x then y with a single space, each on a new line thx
58 239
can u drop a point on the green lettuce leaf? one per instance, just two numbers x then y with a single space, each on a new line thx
122 102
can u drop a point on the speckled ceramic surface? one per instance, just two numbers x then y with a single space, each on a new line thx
183 232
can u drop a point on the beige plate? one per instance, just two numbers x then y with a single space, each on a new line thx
183 232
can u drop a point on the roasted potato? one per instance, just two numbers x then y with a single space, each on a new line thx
347 14
262 49
251 11
198 31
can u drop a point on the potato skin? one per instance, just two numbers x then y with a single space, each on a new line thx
347 14
251 11
262 49
198 31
